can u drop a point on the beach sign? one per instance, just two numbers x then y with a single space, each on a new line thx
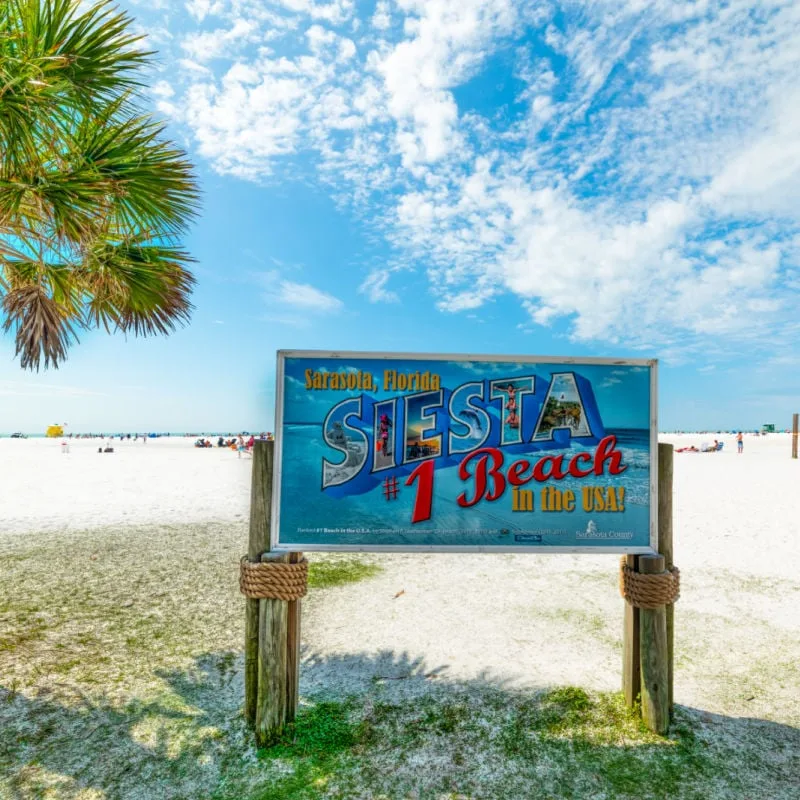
407 452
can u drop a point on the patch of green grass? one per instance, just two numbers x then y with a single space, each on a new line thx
567 743
320 731
445 718
600 737
312 746
325 574
406 727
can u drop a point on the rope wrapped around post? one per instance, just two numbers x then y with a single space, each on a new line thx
273 581
648 591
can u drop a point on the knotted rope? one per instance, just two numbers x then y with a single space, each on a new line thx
649 591
273 580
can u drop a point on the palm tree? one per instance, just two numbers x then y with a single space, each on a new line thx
93 198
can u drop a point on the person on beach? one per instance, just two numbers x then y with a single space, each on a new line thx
739 442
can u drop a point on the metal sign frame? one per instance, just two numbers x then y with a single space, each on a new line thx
286 547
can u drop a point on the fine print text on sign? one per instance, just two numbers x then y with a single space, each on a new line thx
434 452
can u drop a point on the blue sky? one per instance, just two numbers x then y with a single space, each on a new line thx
614 178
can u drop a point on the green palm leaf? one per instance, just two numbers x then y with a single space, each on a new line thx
93 197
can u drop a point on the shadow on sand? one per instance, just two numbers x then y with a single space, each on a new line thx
189 740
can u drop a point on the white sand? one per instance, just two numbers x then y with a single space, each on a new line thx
163 481
739 512
523 619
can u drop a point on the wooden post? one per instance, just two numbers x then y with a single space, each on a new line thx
272 627
631 674
665 452
258 543
794 434
272 664
654 656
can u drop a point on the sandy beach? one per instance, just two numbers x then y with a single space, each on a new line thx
165 481
736 520
736 512
509 620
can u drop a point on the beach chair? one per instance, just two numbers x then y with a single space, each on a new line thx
720 445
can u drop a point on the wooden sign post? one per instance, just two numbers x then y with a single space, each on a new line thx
272 627
794 434
665 548
654 655
648 633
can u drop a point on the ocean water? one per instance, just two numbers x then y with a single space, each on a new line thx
310 516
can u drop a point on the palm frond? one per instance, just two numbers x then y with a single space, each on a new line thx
139 288
87 56
93 196
43 328
152 181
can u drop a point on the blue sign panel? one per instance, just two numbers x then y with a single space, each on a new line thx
430 452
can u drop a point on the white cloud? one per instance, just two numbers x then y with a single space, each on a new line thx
163 89
764 177
193 67
223 41
448 42
334 12
374 287
638 179
382 18
200 9
305 296
288 296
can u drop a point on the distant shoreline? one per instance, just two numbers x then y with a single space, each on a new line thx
258 432
150 434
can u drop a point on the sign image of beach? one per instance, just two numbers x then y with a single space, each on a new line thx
421 422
